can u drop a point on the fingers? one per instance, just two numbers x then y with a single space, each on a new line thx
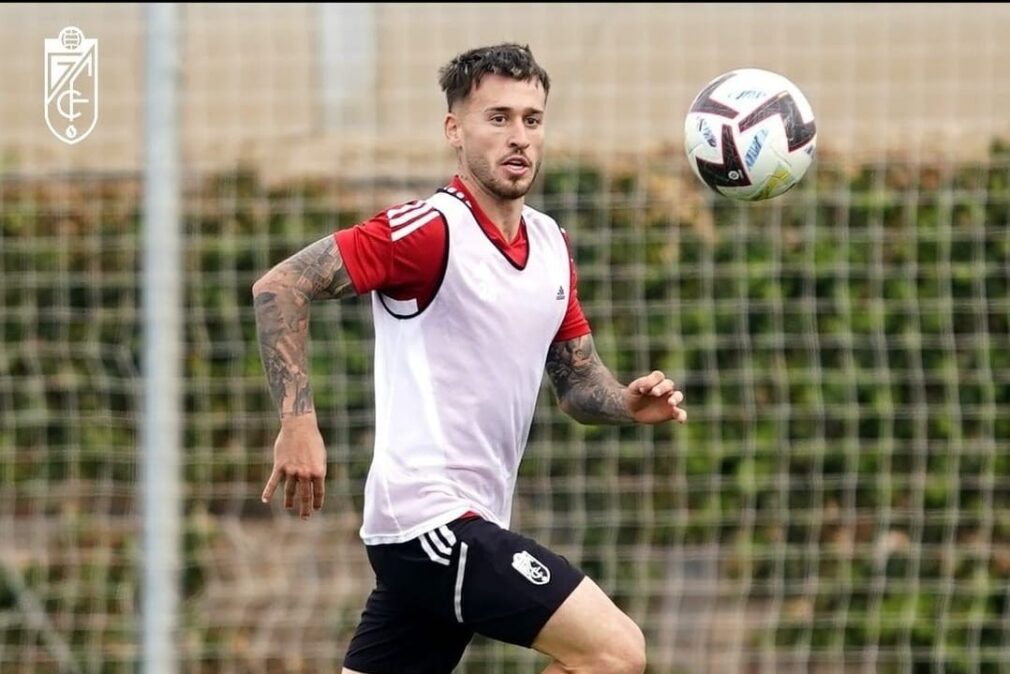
305 486
309 493
655 389
657 385
645 384
318 492
663 388
268 492
679 415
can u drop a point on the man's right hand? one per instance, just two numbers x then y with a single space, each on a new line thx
300 458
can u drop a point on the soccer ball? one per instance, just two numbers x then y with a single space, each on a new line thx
750 134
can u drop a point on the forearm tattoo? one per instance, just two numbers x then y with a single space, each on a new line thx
281 302
585 387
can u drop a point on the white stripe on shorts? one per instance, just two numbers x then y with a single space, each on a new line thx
442 547
460 571
447 534
431 553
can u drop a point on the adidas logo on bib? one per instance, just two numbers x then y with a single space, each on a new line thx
530 566
561 293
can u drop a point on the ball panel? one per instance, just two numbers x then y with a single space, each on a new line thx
750 134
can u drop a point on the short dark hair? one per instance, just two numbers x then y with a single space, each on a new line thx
462 74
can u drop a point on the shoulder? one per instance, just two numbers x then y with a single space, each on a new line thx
399 221
407 218
399 245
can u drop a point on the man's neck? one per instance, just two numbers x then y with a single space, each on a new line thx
505 214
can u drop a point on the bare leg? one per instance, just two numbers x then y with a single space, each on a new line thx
588 634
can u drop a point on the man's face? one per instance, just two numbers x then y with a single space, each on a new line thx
498 130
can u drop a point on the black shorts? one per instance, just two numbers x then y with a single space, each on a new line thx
434 592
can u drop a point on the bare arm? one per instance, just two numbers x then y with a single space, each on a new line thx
281 299
586 389
590 394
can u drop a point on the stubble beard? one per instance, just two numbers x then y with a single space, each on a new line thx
503 189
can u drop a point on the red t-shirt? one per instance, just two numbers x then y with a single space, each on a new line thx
405 260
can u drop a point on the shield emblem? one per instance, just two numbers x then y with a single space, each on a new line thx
71 101
531 567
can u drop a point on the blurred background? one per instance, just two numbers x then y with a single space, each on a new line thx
838 500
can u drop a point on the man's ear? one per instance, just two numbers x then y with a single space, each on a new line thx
452 130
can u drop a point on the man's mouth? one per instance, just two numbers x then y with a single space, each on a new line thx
516 165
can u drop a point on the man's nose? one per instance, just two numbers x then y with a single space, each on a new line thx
519 137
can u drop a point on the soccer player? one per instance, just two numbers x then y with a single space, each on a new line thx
472 292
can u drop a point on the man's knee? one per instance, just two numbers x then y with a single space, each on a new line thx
627 654
617 648
622 653
636 654
588 634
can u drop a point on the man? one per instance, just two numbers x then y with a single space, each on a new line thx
472 292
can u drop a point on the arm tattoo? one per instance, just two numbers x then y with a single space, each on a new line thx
585 387
281 301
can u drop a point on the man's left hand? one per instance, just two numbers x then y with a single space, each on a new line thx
653 399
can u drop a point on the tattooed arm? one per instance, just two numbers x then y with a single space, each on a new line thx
586 389
281 299
590 394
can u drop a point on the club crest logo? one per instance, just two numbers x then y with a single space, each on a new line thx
531 567
71 102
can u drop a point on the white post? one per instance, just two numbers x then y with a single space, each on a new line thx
162 316
348 60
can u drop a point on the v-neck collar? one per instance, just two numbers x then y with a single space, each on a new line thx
459 190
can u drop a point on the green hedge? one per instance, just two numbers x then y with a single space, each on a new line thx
844 350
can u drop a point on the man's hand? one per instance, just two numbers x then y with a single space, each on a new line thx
590 394
653 399
300 457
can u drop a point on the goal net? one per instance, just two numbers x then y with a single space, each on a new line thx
837 500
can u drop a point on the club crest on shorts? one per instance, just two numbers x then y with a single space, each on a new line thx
71 85
531 567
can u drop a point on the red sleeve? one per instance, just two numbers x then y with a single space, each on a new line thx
575 323
366 250
403 260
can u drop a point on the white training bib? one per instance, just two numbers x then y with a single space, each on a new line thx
456 384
